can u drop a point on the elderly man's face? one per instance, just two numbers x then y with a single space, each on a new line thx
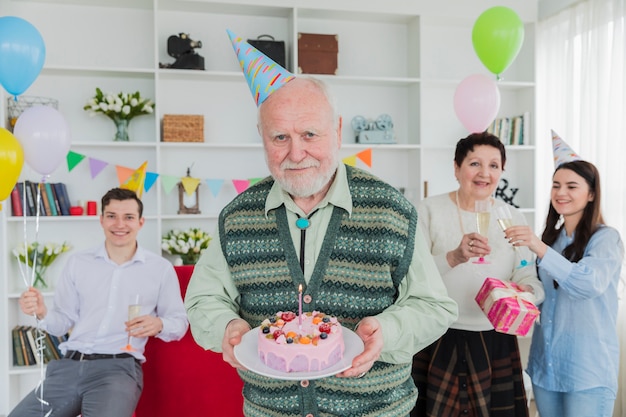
300 138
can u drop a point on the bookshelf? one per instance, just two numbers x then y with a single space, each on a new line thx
401 58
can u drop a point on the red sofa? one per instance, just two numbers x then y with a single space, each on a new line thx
183 379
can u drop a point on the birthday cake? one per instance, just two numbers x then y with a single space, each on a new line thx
291 343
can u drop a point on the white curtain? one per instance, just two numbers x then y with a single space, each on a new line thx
581 95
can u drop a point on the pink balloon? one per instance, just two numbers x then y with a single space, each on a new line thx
476 102
44 135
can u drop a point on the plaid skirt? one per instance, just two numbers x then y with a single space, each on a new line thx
467 373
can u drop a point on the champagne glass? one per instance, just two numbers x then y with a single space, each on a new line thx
483 215
134 310
505 220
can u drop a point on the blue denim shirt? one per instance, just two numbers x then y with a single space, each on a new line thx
575 344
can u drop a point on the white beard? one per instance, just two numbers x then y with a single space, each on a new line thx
305 186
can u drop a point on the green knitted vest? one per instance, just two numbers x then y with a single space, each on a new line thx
362 261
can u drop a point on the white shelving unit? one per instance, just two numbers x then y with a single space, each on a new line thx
394 57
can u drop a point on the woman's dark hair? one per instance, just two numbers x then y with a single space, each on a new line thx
466 145
592 215
121 194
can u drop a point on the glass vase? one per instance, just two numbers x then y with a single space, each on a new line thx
121 130
190 258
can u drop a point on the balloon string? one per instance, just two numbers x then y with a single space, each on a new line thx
40 339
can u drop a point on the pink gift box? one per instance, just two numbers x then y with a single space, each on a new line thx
507 307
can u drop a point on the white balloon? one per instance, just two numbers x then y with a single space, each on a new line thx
45 138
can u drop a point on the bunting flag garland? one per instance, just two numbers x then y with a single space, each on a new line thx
366 156
96 166
139 180
169 182
350 160
241 185
215 185
151 178
123 173
73 159
136 180
190 184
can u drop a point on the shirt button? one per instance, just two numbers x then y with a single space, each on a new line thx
465 411
307 262
304 383
307 299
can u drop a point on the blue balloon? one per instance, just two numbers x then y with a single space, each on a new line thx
22 54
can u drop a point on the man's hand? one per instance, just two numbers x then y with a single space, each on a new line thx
31 302
371 333
232 336
144 326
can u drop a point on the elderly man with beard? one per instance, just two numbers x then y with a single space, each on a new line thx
363 260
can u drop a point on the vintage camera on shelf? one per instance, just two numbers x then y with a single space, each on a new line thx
373 131
182 47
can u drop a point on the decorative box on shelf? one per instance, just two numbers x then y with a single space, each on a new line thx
317 53
183 128
507 307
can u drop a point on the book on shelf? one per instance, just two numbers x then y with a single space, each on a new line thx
44 197
52 208
25 346
513 130
29 358
16 202
56 199
18 356
62 196
53 199
32 342
30 199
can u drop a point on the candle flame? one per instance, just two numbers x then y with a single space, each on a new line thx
300 287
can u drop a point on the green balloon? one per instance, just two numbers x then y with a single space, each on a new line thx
497 37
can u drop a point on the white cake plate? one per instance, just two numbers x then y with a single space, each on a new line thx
248 355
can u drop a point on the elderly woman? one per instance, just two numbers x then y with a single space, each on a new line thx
472 369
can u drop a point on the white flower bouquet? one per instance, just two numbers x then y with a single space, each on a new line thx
121 106
39 257
188 244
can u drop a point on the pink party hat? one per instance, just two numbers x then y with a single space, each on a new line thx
562 152
264 76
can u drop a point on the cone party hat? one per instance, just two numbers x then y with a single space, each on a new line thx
562 152
264 76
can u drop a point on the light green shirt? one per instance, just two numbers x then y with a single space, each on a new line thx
420 315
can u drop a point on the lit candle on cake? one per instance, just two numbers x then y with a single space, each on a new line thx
300 305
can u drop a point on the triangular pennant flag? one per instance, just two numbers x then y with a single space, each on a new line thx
190 184
366 156
123 173
561 151
254 181
73 159
350 160
136 180
264 76
169 182
215 185
96 166
151 178
241 185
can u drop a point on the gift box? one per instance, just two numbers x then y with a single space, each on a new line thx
508 308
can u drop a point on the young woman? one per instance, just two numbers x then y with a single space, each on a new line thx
574 353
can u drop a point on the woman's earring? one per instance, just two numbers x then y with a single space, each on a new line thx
559 222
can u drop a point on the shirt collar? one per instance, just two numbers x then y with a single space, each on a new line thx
338 195
139 256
